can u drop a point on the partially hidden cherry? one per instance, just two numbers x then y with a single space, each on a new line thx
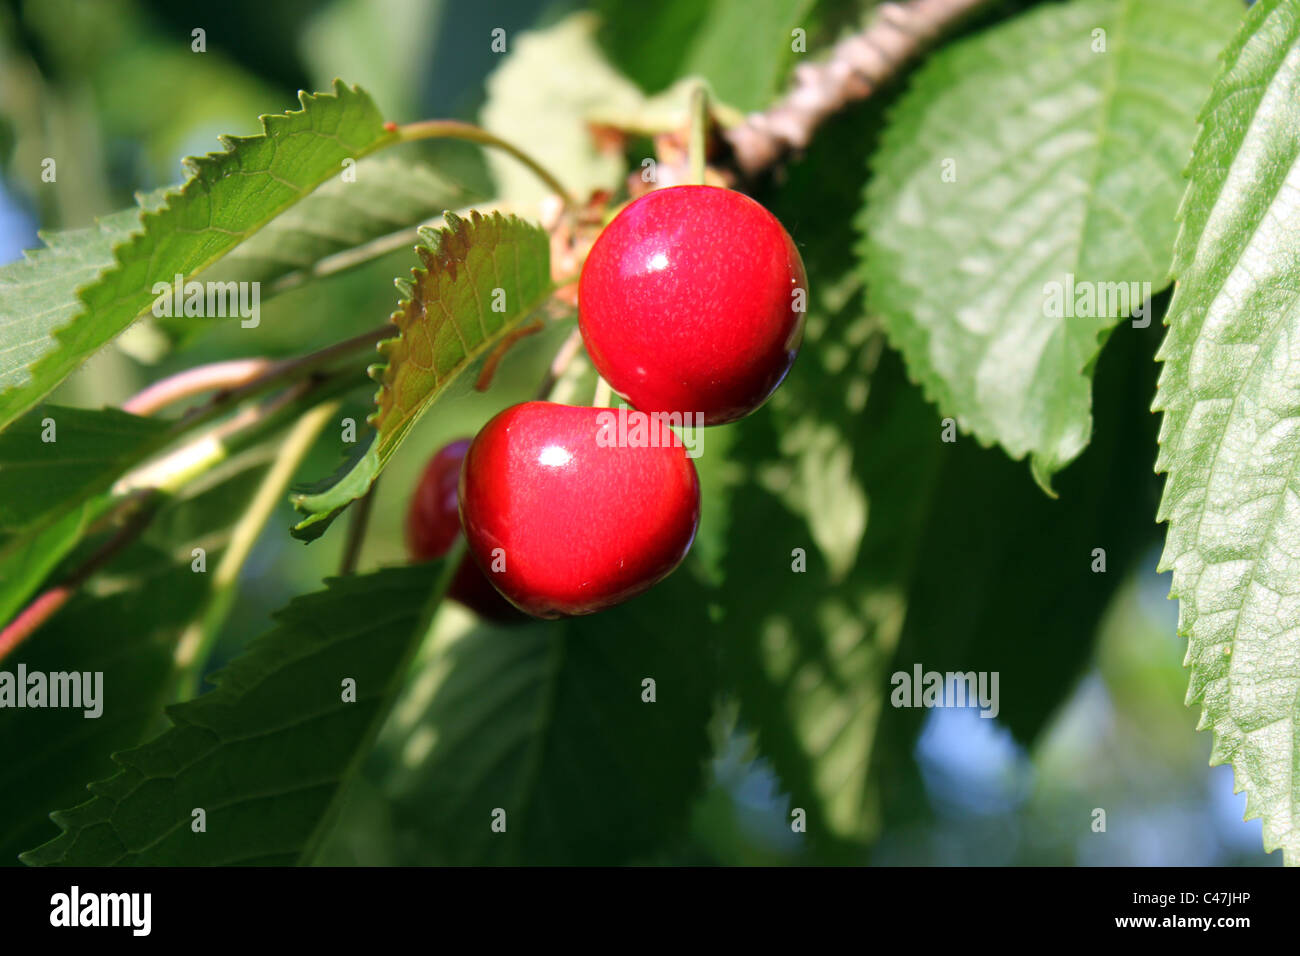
565 521
432 524
692 300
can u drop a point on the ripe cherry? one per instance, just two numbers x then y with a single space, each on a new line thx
432 524
563 520
692 300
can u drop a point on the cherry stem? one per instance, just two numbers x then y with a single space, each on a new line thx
455 129
604 396
568 351
358 522
698 146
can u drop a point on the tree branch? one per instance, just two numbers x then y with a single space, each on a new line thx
857 66
219 376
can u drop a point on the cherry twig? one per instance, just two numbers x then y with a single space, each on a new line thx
358 522
218 376
857 65
564 357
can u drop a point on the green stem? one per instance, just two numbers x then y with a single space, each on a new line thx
196 643
455 129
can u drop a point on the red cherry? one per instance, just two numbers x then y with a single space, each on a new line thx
581 524
433 520
687 303
432 523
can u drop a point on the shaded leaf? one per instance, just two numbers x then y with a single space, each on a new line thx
808 653
547 722
127 636
538 99
265 752
88 446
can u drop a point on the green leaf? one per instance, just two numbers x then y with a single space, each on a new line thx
482 278
127 636
1230 440
265 752
41 289
538 99
1000 287
67 301
547 722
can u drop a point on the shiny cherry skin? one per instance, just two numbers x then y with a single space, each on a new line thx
432 524
575 522
688 303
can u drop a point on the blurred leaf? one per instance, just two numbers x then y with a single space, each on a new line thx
26 558
547 722
1005 579
742 47
539 99
650 50
745 47
53 322
383 45
126 636
388 195
265 752
206 509
1067 174
50 492
1230 440
718 476
482 278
